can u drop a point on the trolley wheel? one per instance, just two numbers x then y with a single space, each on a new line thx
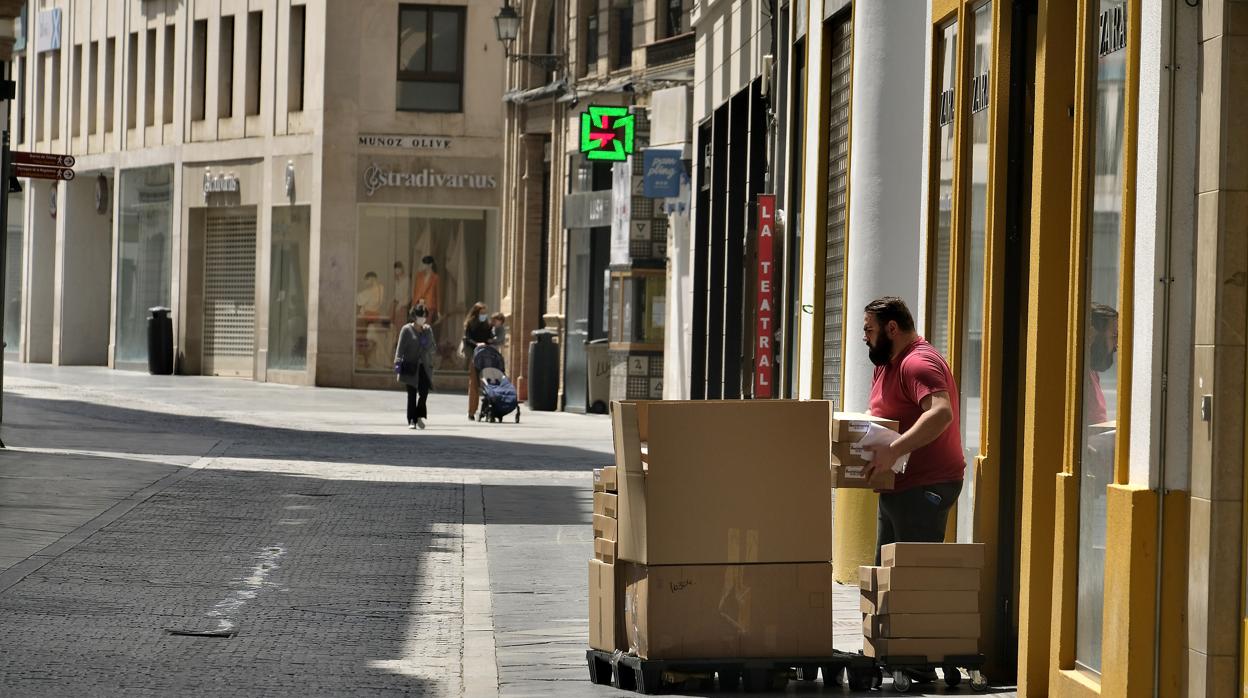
649 681
832 674
858 679
979 684
953 677
729 680
901 681
599 670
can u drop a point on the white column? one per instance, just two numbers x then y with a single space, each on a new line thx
886 189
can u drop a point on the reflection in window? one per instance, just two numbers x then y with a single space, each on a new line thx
972 337
13 275
942 207
1102 275
431 58
288 291
407 255
144 264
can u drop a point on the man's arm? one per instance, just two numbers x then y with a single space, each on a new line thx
937 416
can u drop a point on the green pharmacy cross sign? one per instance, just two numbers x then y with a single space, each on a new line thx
607 133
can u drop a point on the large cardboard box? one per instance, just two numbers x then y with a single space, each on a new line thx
605 632
924 578
934 649
728 481
933 555
604 527
918 601
849 464
718 611
960 625
605 504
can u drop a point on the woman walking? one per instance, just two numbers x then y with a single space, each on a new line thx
413 362
477 332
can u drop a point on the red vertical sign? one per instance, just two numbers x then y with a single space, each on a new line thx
764 353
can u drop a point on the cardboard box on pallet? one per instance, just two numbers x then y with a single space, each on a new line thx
918 578
934 649
606 633
933 555
726 482
605 480
918 601
605 504
604 550
924 625
721 611
849 461
604 527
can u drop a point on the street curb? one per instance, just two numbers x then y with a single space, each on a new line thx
32 564
480 656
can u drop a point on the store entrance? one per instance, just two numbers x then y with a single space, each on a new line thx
229 306
588 254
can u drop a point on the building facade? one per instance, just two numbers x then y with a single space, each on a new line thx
233 167
1056 189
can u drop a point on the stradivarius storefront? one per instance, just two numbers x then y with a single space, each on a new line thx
427 233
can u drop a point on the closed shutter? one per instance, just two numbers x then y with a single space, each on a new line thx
230 293
838 191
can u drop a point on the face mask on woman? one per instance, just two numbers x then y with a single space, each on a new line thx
420 322
482 317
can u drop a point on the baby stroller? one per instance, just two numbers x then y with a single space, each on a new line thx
498 395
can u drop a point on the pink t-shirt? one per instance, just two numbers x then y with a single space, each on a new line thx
897 392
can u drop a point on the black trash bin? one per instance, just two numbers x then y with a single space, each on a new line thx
543 372
159 342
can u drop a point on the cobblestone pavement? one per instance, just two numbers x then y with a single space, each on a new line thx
197 536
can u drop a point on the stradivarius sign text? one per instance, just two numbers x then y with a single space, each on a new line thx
377 177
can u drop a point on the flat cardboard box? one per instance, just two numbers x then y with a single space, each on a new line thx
609 480
866 578
604 527
598 485
923 578
850 427
934 649
933 555
604 550
883 602
721 611
727 481
851 472
605 504
605 595
927 625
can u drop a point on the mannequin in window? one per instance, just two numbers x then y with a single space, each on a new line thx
426 288
370 323
402 297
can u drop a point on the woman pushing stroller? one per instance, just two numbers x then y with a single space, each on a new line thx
413 364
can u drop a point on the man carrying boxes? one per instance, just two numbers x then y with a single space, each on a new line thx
914 386
922 604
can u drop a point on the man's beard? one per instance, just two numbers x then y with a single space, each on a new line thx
881 352
1100 358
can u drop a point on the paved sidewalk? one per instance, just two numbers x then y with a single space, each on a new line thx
165 535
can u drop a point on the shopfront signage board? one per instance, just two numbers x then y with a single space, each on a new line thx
663 169
765 331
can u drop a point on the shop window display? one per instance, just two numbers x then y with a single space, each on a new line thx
414 255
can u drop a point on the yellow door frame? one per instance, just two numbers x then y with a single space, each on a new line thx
1118 662
987 461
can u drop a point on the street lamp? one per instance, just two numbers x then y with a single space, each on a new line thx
507 26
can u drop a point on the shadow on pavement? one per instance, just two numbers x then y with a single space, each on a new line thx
45 423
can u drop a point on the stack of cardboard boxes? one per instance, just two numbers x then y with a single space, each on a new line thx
923 601
722 533
849 460
603 591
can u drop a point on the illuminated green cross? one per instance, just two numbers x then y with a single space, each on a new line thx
607 133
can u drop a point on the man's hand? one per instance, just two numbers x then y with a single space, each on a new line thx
882 459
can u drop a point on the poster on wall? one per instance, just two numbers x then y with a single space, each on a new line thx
417 255
621 211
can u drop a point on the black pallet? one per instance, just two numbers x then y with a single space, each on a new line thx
898 666
649 676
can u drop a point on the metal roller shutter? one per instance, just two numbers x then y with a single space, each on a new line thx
838 192
230 293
